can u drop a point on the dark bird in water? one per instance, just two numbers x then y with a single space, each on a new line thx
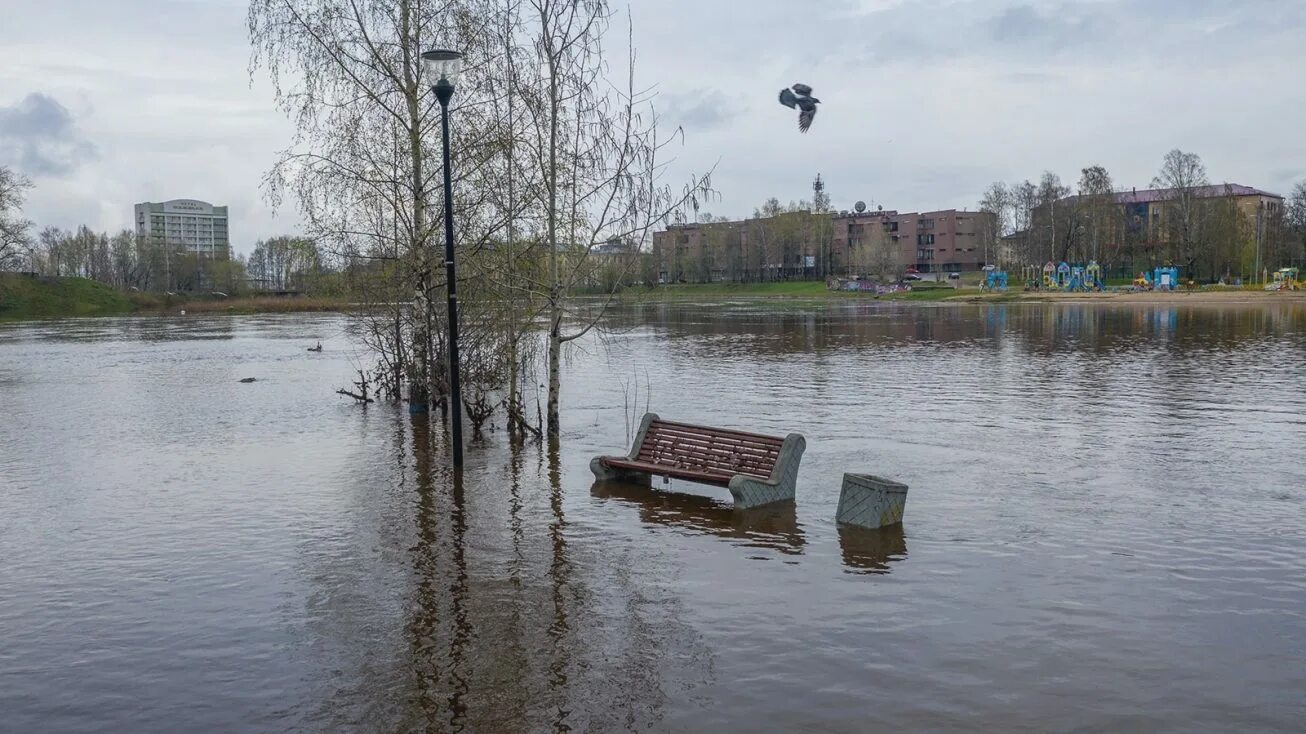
800 98
247 379
318 348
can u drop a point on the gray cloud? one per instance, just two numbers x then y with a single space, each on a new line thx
40 137
697 109
1021 23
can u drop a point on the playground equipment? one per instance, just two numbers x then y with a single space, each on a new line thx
1285 279
1063 275
1165 278
1093 275
1162 278
1076 278
995 280
1086 277
1050 275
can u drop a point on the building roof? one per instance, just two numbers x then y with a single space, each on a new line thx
1151 196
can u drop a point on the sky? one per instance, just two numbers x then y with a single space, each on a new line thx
924 102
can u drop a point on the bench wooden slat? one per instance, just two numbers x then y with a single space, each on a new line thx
701 453
726 456
761 470
710 442
746 434
662 443
743 442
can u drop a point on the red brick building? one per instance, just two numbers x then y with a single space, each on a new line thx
938 241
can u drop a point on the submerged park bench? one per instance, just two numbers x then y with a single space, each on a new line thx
757 469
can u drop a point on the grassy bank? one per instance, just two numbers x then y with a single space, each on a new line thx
151 303
26 297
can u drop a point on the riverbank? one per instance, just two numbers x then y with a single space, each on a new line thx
153 304
40 297
34 297
816 291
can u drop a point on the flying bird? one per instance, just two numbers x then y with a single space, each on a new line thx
800 98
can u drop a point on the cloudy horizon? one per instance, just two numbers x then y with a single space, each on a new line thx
925 102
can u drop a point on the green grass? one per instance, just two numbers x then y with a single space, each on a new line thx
157 304
23 297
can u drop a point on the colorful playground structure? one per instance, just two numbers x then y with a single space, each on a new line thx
1077 278
1162 278
994 279
1286 279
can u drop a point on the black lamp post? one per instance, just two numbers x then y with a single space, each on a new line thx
444 66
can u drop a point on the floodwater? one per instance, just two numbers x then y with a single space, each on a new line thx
1104 531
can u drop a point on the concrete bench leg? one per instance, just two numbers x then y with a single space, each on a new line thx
608 474
753 492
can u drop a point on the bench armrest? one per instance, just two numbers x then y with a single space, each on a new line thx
780 486
641 434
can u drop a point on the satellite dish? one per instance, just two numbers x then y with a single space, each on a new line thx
879 208
860 206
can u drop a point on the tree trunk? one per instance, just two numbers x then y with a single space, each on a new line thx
555 281
555 382
419 386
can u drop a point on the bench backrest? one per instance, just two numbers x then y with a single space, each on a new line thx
718 451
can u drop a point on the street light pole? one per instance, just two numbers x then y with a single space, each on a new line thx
444 66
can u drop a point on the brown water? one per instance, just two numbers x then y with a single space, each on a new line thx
1104 532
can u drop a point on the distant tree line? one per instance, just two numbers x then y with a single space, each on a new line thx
129 262
1201 227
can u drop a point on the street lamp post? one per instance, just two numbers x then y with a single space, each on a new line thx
444 66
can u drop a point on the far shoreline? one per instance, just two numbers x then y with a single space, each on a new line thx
954 297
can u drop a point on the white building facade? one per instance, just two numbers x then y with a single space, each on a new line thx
197 226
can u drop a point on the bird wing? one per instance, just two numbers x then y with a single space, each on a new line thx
803 90
788 99
805 118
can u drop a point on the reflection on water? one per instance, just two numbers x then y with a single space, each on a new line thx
871 551
1105 525
772 526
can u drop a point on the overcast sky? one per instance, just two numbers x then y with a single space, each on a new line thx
925 102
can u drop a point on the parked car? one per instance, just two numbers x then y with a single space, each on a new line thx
954 276
911 276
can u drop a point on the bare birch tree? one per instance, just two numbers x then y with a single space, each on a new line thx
597 148
1182 179
349 74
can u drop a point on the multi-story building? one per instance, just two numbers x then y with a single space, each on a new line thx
1227 226
195 226
807 245
1145 210
937 241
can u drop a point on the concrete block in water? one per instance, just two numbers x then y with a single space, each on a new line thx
871 501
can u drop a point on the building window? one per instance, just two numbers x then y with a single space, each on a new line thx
924 239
